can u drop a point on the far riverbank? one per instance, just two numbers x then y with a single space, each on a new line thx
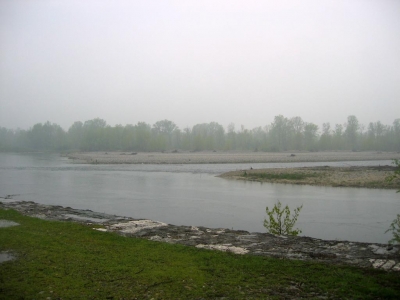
176 157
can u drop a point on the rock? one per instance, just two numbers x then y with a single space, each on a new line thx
363 255
6 256
7 223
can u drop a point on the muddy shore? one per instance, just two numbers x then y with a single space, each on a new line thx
365 177
177 157
365 255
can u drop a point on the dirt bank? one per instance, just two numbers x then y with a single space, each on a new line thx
366 177
224 157
365 255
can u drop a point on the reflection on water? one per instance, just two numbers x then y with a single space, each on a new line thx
192 195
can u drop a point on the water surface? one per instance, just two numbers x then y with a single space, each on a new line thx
192 195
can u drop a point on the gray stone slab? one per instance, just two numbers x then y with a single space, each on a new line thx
7 223
5 256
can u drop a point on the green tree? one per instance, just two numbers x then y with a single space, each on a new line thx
279 220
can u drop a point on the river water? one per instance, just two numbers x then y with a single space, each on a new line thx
192 195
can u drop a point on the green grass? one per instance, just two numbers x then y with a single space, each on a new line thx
71 261
288 176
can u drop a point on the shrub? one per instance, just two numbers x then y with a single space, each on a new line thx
280 222
395 229
395 225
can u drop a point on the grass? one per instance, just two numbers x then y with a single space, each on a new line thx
271 176
72 261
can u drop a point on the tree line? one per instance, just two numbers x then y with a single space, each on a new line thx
283 134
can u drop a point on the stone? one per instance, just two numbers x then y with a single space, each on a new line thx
6 256
388 265
7 223
362 255
378 263
135 226
396 268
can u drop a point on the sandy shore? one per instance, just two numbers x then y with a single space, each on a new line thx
366 177
224 157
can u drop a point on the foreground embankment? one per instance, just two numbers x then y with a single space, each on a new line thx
48 259
365 255
365 177
224 157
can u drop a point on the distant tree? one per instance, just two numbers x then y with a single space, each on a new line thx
230 142
208 136
164 130
259 139
351 132
94 135
46 137
143 141
338 138
186 139
128 138
75 135
325 141
165 127
310 136
298 126
280 133
395 135
243 139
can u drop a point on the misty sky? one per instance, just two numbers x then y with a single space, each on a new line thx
198 61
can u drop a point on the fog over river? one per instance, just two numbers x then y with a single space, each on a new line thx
192 195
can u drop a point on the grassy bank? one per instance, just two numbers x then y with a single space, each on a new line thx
72 261
367 177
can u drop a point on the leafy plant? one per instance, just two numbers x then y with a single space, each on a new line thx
279 220
395 229
395 225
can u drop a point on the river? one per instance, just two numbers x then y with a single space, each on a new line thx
192 195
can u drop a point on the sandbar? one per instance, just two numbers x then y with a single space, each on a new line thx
362 177
219 157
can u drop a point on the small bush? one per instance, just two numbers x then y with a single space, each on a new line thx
280 222
395 225
395 229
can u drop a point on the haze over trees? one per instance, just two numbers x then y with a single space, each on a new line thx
283 134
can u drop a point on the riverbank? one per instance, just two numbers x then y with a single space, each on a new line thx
364 255
176 157
71 260
365 177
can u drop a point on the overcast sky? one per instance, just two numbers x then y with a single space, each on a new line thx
198 61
